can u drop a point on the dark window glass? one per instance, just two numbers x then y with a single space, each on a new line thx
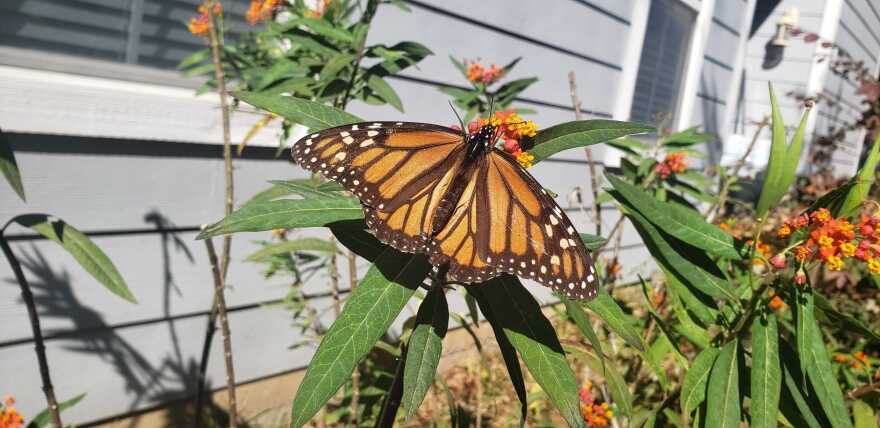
661 68
147 32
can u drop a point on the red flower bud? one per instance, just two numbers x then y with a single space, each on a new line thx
778 261
511 146
473 127
800 278
867 230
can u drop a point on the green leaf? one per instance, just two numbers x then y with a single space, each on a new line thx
42 419
624 325
593 242
286 214
619 390
86 253
680 222
311 188
313 115
508 352
382 89
9 167
520 317
864 415
864 179
817 363
766 382
692 267
686 138
847 321
795 405
320 27
581 133
335 65
284 247
782 166
369 311
196 58
510 90
722 393
576 312
693 390
832 199
424 349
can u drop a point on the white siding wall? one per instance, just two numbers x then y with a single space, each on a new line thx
113 156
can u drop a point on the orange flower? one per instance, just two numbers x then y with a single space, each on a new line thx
198 25
848 249
477 73
9 415
834 263
674 163
784 231
840 358
802 252
874 265
863 358
595 415
525 159
821 216
775 303
261 10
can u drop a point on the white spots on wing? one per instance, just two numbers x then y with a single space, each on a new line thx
571 242
559 280
557 210
372 133
590 278
534 262
488 259
543 269
307 150
348 140
554 260
313 159
375 125
571 286
592 269
570 230
549 230
340 169
522 264
344 134
563 243
380 205
323 165
309 142
356 182
554 220
314 135
339 156
367 142
354 127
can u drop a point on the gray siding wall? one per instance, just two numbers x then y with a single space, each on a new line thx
142 200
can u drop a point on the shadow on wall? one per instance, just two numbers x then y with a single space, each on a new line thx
711 119
171 383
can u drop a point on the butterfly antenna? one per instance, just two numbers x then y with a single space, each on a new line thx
491 105
460 120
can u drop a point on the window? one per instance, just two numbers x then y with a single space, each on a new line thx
145 32
662 64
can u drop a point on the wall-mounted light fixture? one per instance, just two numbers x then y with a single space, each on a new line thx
775 48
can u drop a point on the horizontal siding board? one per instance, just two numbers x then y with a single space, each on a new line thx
859 16
856 43
729 13
618 8
447 36
722 45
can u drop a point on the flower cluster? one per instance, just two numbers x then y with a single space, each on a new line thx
198 25
511 130
9 416
261 10
776 303
478 73
674 163
858 360
832 240
762 249
595 415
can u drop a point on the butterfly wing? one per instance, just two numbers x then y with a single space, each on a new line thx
515 227
399 170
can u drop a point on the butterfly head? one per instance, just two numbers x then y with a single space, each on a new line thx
482 140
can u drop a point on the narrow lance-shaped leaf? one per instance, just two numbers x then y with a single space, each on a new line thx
576 312
722 394
286 214
86 253
766 382
864 415
817 363
619 322
424 349
593 242
313 115
301 244
508 352
369 311
581 133
382 89
795 404
693 268
534 338
42 419
693 390
9 167
678 221
864 179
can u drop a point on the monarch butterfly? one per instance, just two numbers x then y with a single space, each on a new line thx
470 207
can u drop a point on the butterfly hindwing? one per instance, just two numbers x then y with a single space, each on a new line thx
530 236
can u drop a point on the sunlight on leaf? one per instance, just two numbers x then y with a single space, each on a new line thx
581 133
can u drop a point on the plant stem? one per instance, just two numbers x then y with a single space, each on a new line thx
334 282
392 399
366 19
728 179
594 179
219 76
28 299
224 330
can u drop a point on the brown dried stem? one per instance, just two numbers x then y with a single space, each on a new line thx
220 301
594 179
39 347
